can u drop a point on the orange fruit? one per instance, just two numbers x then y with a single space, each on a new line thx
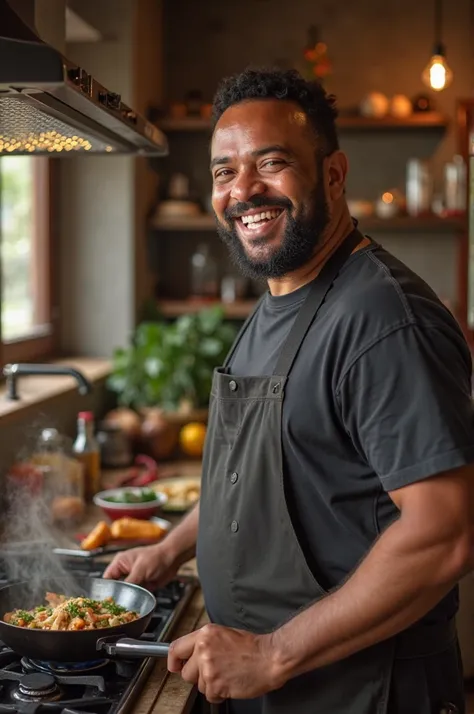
192 437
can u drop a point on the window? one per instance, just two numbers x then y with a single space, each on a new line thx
26 250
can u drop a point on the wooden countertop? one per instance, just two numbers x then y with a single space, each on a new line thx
164 693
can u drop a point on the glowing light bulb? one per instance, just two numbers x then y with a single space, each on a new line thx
437 73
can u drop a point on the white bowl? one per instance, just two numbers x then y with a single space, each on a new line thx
143 510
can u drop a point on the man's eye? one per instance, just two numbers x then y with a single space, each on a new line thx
272 163
222 173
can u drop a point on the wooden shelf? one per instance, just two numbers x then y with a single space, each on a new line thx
418 120
408 224
398 224
234 310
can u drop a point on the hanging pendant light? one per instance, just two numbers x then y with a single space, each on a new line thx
437 74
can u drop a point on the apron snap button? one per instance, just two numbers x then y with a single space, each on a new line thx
276 388
234 526
233 385
234 477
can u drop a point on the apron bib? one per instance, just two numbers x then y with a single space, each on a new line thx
253 572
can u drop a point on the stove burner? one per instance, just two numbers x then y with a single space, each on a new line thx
35 665
37 687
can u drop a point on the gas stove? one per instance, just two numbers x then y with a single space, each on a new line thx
105 686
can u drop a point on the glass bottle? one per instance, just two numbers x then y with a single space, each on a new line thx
419 188
86 450
455 195
204 274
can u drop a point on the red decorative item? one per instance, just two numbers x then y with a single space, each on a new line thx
317 62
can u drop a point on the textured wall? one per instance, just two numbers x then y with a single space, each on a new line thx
97 206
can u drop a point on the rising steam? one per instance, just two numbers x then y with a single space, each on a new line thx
28 539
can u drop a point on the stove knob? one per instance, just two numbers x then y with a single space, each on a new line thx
75 75
176 589
113 100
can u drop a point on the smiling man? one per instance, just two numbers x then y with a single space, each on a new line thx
336 514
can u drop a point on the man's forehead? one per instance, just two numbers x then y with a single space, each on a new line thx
269 121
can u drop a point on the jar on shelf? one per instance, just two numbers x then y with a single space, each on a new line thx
419 188
455 177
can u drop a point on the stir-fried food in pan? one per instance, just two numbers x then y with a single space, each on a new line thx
71 613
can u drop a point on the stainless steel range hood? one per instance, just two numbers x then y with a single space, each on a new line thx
50 106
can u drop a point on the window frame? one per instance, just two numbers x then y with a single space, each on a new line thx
465 126
41 342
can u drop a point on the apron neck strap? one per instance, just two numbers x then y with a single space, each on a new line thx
313 301
240 333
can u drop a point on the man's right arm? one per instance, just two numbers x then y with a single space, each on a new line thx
156 565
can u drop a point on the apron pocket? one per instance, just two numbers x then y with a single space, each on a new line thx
425 685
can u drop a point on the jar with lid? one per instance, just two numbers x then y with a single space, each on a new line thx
115 447
86 450
63 482
204 274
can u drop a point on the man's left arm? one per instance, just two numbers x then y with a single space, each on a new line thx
415 562
406 404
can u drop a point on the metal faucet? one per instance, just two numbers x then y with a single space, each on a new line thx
13 371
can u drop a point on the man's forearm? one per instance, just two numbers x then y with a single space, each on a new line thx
399 581
181 542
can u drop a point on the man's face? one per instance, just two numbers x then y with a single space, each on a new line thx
268 189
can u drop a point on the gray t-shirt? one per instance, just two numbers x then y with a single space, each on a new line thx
379 397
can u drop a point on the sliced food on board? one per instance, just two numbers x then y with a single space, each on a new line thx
125 529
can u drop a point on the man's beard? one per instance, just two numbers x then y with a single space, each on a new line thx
301 236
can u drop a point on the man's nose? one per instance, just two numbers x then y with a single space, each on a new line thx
246 185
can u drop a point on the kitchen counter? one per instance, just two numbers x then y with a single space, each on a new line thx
164 693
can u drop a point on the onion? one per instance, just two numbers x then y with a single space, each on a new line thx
67 508
160 437
127 420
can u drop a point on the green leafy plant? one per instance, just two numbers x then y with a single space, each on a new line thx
168 364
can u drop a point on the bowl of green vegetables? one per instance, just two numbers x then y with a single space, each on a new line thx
143 503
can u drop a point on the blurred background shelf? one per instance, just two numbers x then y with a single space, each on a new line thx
419 120
398 224
196 223
408 224
235 310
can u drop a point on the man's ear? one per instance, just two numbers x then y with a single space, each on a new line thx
335 168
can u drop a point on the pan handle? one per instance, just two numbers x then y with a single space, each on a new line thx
127 647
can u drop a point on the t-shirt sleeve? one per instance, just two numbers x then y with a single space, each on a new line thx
406 404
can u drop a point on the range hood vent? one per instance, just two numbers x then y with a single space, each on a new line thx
50 106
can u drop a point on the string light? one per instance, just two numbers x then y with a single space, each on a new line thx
437 74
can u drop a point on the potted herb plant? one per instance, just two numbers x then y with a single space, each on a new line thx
163 378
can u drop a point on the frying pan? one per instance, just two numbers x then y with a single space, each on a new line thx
81 645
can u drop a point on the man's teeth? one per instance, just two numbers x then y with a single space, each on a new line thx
253 220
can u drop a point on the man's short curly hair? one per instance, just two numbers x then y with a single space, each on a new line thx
289 85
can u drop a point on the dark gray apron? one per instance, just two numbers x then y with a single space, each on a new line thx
252 569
